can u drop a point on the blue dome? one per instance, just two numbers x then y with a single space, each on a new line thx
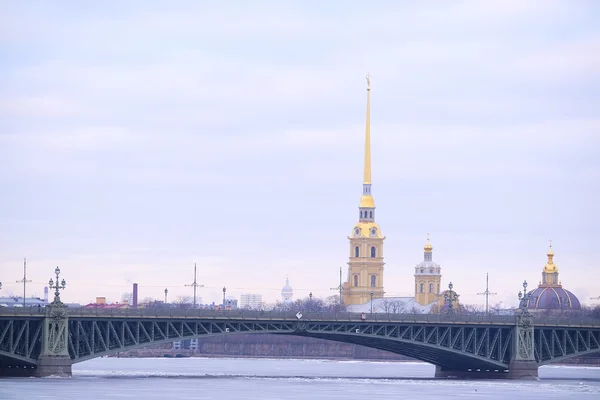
552 298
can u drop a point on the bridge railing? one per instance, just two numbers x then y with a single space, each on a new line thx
249 315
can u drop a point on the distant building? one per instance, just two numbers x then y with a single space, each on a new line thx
230 303
251 300
18 302
287 293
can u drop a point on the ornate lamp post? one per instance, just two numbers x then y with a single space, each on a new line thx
524 298
166 292
371 302
58 287
224 291
451 297
310 296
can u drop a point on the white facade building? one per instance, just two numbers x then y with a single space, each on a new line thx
251 300
287 293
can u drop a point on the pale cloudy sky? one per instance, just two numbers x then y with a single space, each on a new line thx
139 137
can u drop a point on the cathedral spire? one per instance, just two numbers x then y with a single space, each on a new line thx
367 174
367 204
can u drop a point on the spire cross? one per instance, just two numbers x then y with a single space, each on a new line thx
550 241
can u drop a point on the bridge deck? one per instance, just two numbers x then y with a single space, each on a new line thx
504 320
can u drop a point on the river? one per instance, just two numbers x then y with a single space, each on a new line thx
210 378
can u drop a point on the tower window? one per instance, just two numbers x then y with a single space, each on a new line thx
422 270
422 288
373 280
355 280
373 232
370 214
356 251
361 214
373 251
357 231
431 288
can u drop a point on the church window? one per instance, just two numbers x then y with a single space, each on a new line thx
431 270
422 270
373 280
370 214
355 280
357 231
431 288
373 251
422 288
356 251
361 214
373 231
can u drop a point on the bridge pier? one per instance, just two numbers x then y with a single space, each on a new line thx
517 370
53 366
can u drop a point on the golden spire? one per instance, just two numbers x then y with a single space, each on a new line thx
367 177
428 247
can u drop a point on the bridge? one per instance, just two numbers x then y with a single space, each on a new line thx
48 341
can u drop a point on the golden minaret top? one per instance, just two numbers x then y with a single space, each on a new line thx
428 247
550 267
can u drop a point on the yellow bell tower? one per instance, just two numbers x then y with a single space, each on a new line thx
365 265
428 276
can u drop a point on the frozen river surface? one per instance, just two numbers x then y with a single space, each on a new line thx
204 378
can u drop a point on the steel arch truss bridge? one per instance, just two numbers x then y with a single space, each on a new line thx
453 343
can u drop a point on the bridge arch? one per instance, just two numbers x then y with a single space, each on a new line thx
445 345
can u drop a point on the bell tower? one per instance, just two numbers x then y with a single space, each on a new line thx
428 277
365 265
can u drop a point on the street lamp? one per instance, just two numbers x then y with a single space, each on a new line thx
524 298
310 296
224 290
166 292
450 297
372 302
58 287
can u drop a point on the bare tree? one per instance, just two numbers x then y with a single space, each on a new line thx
183 302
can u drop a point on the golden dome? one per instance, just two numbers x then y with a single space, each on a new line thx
366 229
367 201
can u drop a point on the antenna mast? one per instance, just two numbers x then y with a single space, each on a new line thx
24 281
195 285
487 294
340 288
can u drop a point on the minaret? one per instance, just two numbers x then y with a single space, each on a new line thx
428 276
365 266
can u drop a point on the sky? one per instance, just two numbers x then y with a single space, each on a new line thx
138 138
